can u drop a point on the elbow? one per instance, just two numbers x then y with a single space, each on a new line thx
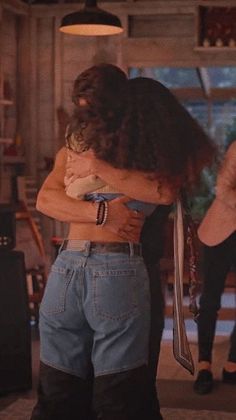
38 203
168 198
163 200
168 201
41 203
38 206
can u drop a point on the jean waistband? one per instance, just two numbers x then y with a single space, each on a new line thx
129 248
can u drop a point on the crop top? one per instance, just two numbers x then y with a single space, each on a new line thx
146 208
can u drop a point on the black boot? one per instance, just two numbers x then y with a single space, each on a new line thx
229 377
204 382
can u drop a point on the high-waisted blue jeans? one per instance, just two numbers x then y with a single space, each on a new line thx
96 308
95 317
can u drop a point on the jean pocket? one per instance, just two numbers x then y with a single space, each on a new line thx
54 299
115 293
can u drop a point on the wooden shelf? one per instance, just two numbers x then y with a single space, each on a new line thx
216 25
6 102
13 159
215 49
4 140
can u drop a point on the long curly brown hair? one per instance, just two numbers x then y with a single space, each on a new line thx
104 87
139 124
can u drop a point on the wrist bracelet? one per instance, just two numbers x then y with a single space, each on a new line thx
102 213
105 214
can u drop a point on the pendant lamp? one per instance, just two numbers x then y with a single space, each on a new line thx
91 21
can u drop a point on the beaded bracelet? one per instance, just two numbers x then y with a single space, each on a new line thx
102 213
105 215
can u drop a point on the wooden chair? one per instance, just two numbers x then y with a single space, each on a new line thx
36 276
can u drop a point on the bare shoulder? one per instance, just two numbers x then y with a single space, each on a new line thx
228 164
232 149
56 176
61 157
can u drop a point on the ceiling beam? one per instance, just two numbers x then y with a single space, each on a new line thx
196 94
204 79
15 6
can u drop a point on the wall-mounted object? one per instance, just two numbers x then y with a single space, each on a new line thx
7 227
91 21
216 27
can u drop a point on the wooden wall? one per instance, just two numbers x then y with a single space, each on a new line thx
42 63
9 69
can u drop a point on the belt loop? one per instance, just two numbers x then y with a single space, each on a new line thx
86 252
61 246
131 249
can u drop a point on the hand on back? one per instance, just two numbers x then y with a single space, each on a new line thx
123 221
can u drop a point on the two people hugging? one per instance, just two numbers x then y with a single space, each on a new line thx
130 147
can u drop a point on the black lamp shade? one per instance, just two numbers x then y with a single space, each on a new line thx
91 21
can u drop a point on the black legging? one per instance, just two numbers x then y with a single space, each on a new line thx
217 261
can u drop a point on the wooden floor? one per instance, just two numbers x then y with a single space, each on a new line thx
174 384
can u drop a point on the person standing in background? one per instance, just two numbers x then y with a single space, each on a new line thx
217 233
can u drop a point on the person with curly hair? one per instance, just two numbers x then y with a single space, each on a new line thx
95 314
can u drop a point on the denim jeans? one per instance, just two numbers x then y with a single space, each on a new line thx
95 319
217 261
96 308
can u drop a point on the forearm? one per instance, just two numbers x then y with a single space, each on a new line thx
81 186
139 185
136 184
56 204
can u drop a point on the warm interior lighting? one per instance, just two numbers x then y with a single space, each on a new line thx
91 21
